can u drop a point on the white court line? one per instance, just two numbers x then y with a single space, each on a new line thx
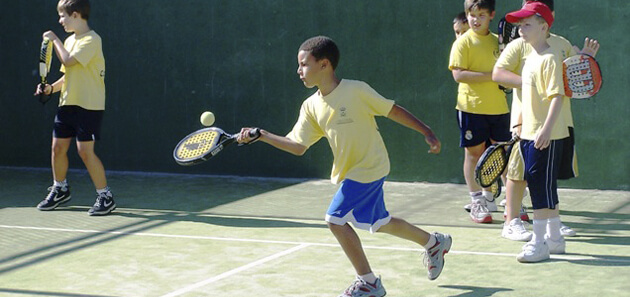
234 271
559 257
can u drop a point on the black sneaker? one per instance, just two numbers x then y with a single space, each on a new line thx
55 197
104 204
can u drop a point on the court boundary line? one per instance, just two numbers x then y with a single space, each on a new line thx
297 243
234 271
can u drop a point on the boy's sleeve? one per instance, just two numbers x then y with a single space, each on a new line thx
376 103
458 57
510 58
306 131
85 49
553 77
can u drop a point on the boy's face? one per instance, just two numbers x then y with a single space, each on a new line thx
479 20
309 69
532 29
68 21
460 28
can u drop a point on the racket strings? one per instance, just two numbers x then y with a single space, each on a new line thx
197 145
493 167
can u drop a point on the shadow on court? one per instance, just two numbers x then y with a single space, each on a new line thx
476 291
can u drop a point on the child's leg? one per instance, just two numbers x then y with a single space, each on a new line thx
92 163
351 245
59 158
403 229
514 198
471 157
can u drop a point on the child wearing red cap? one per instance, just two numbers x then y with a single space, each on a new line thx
544 125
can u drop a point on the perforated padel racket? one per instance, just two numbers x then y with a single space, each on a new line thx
493 162
204 144
582 76
45 60
507 32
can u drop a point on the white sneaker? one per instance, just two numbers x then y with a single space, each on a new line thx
534 252
503 202
479 213
514 230
567 231
556 247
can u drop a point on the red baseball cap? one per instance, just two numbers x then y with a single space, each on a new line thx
529 9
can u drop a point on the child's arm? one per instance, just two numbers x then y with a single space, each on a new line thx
507 78
62 53
280 142
591 47
468 77
543 137
405 118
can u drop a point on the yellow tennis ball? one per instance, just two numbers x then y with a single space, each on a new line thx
207 118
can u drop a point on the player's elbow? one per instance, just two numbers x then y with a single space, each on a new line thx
299 150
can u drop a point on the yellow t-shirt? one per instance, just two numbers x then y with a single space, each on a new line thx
84 82
477 53
346 118
542 79
513 58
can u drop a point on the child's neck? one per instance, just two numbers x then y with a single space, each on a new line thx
329 85
540 45
82 29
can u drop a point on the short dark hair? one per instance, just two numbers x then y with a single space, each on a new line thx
549 3
479 4
460 18
80 6
322 47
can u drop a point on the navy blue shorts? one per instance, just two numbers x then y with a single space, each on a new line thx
362 204
75 121
568 165
478 128
541 172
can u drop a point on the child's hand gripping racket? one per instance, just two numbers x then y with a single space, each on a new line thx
204 144
493 162
582 76
45 60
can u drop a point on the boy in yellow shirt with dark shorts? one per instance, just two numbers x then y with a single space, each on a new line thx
81 105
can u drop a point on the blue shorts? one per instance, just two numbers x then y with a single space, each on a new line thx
359 203
478 128
541 172
568 165
75 121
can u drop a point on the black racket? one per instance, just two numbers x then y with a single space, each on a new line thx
493 162
45 60
204 144
507 32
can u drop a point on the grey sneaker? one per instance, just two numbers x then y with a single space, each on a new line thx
360 288
534 252
104 205
55 197
434 256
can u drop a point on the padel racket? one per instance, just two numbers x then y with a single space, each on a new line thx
204 144
493 162
507 32
45 60
495 188
582 76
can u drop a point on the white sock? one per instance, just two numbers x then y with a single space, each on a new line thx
540 227
476 196
553 228
369 278
488 195
63 184
102 191
431 242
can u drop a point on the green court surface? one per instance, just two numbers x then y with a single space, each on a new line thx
192 235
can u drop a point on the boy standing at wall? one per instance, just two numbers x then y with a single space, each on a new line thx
460 24
507 71
544 127
343 112
81 105
482 110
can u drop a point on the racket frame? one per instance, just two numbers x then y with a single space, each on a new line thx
218 144
479 168
45 61
589 69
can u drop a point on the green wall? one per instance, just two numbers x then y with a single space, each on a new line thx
168 61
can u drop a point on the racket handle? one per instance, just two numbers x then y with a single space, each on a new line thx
43 98
254 133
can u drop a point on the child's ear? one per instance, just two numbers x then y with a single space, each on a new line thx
493 14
